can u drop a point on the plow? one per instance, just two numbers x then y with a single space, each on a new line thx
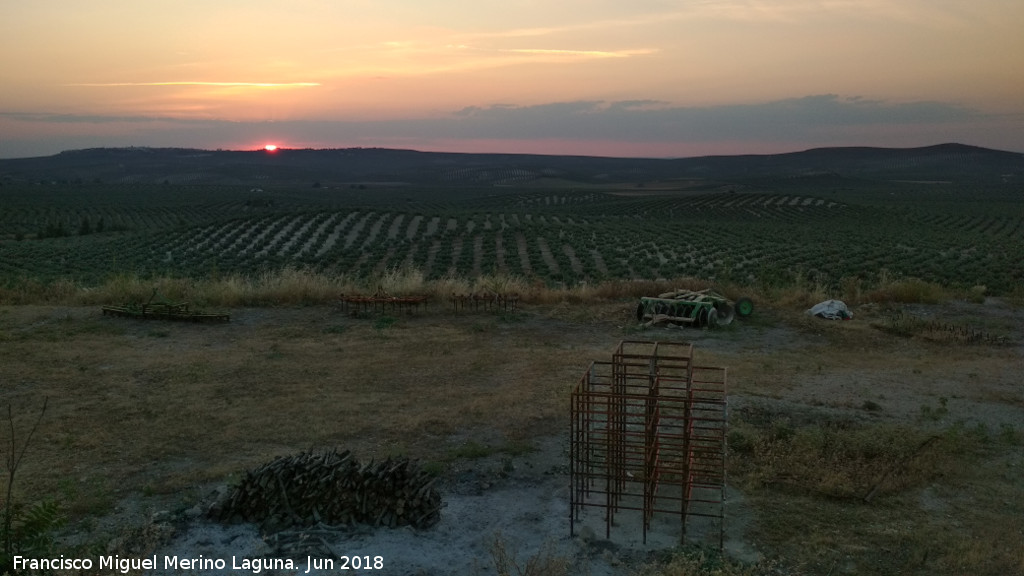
702 308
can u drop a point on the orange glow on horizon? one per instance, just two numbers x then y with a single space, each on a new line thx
270 147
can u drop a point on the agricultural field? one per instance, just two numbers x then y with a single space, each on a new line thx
888 444
823 231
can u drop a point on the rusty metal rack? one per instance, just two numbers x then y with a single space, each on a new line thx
649 434
486 301
160 308
357 304
177 312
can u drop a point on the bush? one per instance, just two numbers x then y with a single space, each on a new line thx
909 290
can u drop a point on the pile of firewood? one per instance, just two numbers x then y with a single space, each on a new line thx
332 488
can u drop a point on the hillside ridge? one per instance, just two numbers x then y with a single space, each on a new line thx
947 161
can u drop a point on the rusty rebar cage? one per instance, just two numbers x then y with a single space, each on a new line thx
649 434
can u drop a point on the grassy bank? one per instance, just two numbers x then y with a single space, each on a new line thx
298 286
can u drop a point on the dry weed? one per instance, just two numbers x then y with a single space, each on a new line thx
292 285
909 290
544 563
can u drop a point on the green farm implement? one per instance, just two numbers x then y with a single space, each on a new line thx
162 309
692 308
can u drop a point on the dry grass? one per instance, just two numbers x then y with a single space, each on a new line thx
963 522
302 286
542 563
170 405
290 286
699 562
833 492
846 460
909 290
798 296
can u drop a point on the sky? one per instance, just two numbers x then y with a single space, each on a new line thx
654 78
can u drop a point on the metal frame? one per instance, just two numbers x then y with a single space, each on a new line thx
357 304
160 308
485 301
649 434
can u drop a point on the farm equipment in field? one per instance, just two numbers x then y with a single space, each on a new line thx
704 308
357 304
159 308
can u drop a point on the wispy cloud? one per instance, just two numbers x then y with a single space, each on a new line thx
910 12
449 55
791 119
55 118
581 26
201 83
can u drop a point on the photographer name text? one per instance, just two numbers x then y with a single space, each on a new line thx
236 563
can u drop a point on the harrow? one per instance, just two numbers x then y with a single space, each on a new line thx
356 304
162 309
485 301
692 308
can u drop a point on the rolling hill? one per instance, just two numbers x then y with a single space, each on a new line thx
945 162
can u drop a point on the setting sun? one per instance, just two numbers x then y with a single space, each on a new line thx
270 147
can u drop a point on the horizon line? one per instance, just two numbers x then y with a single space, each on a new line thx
420 151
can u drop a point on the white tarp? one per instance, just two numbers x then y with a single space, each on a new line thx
832 310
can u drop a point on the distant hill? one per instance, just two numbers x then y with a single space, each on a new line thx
944 162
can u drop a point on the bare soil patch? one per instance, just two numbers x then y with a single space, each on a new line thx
478 255
499 252
290 242
432 226
524 254
314 240
547 256
279 236
577 266
382 264
456 252
356 229
332 237
396 225
376 228
414 226
410 256
435 247
599 262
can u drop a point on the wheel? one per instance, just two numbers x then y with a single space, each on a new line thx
726 313
703 315
640 311
744 307
712 319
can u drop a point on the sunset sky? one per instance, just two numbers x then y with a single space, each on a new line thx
641 78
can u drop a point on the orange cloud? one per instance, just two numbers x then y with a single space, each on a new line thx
197 83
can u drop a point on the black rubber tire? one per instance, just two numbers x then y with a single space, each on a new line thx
744 307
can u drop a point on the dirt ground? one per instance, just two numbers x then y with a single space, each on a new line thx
146 421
